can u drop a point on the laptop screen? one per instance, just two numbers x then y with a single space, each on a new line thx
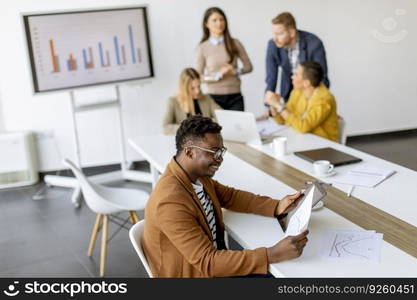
238 126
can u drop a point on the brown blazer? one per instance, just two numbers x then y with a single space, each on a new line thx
177 240
174 114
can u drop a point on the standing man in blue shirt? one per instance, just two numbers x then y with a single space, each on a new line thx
287 48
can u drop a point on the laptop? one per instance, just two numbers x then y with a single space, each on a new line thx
239 126
336 157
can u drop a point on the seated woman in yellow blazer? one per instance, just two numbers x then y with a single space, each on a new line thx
188 101
311 107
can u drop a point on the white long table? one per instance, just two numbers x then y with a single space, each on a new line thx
397 195
252 231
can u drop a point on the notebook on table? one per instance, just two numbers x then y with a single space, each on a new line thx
366 175
336 157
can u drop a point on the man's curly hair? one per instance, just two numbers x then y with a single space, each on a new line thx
194 128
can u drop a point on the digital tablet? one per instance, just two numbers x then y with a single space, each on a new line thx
313 193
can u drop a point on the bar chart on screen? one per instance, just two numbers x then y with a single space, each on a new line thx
88 62
85 48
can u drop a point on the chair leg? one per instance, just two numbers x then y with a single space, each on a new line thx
93 239
104 245
133 217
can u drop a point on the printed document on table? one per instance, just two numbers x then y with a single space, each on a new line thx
357 245
358 180
364 174
366 168
269 127
299 220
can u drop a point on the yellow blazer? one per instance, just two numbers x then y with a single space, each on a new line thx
174 114
317 115
177 239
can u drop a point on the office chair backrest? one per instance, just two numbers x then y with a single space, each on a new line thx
342 130
135 234
96 202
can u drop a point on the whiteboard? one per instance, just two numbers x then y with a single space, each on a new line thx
83 48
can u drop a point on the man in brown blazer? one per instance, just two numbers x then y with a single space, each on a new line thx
184 229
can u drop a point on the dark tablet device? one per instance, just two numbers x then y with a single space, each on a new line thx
318 194
336 157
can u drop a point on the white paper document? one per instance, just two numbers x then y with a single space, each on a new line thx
299 220
269 127
357 245
365 168
364 174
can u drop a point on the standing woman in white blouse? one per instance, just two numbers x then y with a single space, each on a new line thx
217 61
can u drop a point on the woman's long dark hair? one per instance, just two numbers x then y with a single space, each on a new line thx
228 40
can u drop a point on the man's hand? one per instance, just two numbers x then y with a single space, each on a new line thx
288 248
288 203
272 99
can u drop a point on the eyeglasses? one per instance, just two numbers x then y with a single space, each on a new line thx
219 153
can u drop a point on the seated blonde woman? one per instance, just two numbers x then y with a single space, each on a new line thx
311 107
189 101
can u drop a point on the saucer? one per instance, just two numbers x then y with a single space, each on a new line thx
332 173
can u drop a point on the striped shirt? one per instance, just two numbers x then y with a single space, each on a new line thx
207 205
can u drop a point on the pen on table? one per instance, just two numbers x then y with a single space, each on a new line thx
350 191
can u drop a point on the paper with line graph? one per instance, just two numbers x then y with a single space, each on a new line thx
359 245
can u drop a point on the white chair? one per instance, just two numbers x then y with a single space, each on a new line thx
136 234
342 130
105 201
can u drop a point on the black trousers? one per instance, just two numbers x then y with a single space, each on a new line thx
230 101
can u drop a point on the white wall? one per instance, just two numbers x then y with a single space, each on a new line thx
374 82
1 113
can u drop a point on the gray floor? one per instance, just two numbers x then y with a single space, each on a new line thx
49 237
398 147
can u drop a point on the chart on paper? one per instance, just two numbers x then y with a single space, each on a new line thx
360 245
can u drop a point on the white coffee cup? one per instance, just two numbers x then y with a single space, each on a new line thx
280 145
322 167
